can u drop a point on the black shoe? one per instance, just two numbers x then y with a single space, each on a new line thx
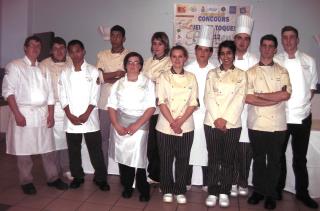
270 203
76 183
127 193
103 185
29 189
279 195
59 184
255 198
144 198
308 201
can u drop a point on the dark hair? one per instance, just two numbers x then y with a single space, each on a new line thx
33 37
118 29
59 40
290 28
75 42
210 48
128 56
162 37
227 44
270 37
181 48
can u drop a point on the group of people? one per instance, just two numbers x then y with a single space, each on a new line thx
143 115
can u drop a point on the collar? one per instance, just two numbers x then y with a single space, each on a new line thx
173 72
296 54
160 58
27 60
231 68
83 66
55 61
120 52
261 64
244 57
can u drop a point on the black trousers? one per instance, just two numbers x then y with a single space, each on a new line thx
300 134
266 149
93 142
222 147
153 151
127 175
174 147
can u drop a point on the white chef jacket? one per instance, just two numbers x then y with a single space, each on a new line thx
33 93
303 76
199 153
79 89
248 61
131 98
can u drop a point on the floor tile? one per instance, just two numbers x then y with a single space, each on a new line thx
36 201
63 205
94 207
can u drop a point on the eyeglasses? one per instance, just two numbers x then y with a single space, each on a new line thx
133 62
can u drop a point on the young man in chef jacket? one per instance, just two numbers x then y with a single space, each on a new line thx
29 94
79 94
244 60
200 68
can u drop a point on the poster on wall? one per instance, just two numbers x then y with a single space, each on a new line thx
189 17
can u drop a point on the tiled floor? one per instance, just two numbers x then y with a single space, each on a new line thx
89 198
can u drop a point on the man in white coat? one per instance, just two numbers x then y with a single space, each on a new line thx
54 65
29 94
244 60
200 68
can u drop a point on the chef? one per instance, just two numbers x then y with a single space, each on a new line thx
29 94
200 68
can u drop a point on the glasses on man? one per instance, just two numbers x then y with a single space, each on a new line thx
133 62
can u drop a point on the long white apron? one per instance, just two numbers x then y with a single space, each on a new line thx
58 130
130 150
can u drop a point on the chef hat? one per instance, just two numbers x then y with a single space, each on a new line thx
244 24
206 36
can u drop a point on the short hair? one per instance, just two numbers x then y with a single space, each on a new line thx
118 29
33 37
270 37
210 48
162 37
128 56
181 48
227 44
59 40
290 28
75 42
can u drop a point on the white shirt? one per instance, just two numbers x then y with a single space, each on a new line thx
79 89
303 76
132 97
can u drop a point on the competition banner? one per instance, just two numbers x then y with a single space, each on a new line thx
189 17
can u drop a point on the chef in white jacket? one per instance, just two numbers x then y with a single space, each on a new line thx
244 60
200 68
29 94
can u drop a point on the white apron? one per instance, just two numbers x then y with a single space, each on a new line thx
58 130
130 150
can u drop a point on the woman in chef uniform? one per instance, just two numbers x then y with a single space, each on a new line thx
224 100
152 68
177 93
130 105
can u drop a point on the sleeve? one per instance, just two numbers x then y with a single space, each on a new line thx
209 97
99 64
62 89
314 75
95 88
285 80
51 100
112 99
150 95
160 90
10 80
234 108
194 98
250 89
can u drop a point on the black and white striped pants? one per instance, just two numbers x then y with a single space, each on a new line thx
222 147
171 147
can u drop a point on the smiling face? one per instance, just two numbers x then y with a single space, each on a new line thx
178 59
226 57
59 52
158 48
76 53
290 41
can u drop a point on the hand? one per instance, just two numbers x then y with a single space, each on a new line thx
120 73
74 120
50 121
122 131
20 120
132 128
176 126
84 117
220 124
